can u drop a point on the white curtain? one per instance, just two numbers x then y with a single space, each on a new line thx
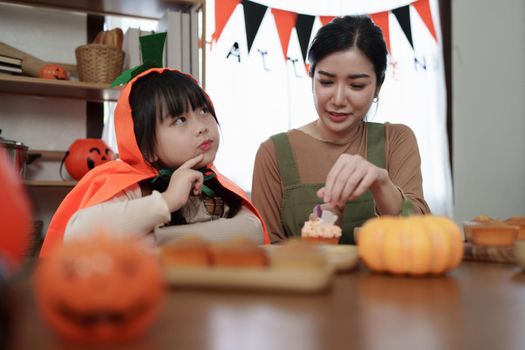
260 93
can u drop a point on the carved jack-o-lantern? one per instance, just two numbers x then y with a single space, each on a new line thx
15 215
53 71
85 154
100 290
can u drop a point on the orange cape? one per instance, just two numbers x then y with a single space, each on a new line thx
105 181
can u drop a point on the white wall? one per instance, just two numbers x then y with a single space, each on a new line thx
488 38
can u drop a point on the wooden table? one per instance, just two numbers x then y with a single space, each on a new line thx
477 306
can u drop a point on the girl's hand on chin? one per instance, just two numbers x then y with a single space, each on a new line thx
349 178
184 181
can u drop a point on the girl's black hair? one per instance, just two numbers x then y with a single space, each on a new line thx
178 93
344 33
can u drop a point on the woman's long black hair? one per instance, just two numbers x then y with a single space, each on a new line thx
344 33
179 93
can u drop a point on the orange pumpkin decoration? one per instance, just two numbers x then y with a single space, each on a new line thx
414 245
15 215
85 154
53 71
100 290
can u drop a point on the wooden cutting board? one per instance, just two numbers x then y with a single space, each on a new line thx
339 258
263 279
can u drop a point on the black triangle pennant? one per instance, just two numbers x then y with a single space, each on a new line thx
403 17
304 27
253 16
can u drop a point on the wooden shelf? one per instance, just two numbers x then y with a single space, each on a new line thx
151 9
49 183
52 156
15 84
45 154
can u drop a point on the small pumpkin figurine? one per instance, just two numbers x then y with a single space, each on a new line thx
85 154
413 245
53 71
100 290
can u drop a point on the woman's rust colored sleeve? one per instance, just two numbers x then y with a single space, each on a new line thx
404 165
267 190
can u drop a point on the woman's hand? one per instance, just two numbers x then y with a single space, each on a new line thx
349 178
184 181
333 208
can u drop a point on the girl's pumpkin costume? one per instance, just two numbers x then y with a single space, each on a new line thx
106 180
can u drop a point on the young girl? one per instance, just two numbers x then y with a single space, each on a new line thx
339 160
167 135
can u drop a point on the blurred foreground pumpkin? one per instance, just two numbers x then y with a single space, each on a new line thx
101 290
15 215
85 154
415 245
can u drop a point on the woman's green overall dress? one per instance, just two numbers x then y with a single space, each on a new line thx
299 199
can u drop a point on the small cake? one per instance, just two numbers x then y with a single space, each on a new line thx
188 251
322 230
238 252
518 221
482 218
296 254
493 234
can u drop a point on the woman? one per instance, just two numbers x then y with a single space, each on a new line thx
356 168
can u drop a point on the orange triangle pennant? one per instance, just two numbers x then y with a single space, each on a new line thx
423 8
381 20
223 12
285 21
326 19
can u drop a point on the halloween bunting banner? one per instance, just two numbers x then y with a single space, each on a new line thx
304 26
285 21
223 11
381 19
403 17
423 9
254 14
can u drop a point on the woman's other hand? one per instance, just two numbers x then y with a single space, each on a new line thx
184 180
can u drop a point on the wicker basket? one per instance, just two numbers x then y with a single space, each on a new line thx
99 63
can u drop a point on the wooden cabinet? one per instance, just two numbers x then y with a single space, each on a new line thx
23 85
